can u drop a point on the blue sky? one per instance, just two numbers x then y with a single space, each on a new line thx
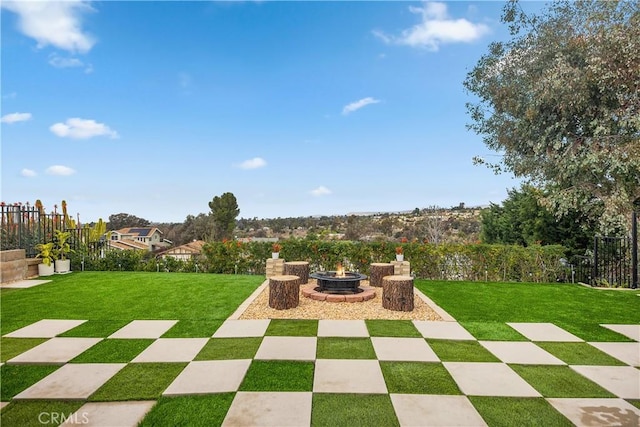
298 108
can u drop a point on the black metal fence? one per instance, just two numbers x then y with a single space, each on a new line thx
612 261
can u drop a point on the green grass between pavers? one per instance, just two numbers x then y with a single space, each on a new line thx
579 353
418 378
9 325
189 411
95 328
229 348
634 402
575 308
344 348
518 412
392 328
113 351
278 375
17 378
130 296
11 347
292 328
38 413
461 351
349 410
493 331
139 381
559 381
193 329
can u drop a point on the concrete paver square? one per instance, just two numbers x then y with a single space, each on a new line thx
23 284
139 329
623 381
433 410
628 352
629 331
597 412
3 404
489 379
521 353
242 328
348 376
405 349
262 409
342 328
56 350
442 330
72 381
109 414
211 376
287 348
45 328
172 350
544 332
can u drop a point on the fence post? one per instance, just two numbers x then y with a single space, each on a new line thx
634 248
595 261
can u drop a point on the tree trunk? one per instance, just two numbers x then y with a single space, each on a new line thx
397 293
298 268
377 271
284 292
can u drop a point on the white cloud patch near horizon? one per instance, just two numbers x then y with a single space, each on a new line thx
255 163
28 173
354 106
59 170
77 128
58 61
437 28
55 23
320 191
15 118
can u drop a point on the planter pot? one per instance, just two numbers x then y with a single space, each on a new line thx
400 257
45 270
275 255
63 266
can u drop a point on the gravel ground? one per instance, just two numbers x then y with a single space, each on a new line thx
311 309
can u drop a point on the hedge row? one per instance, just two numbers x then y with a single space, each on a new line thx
443 262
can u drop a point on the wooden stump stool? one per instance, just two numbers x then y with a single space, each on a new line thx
298 268
284 292
377 271
397 293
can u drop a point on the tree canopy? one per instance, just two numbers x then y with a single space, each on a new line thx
224 210
560 102
124 220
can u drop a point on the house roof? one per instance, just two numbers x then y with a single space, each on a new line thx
194 247
138 231
128 244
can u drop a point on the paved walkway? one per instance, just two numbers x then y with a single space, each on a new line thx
368 374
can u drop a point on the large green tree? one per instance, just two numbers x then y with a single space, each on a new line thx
560 102
124 220
224 210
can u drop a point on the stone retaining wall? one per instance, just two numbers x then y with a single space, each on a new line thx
14 266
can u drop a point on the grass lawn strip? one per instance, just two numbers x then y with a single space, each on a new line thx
579 353
189 411
37 413
418 378
16 378
193 329
493 331
461 351
292 328
344 348
113 350
95 329
12 347
348 410
229 348
559 381
138 381
518 412
278 375
392 328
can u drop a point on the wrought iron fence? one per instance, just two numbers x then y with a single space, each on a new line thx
612 261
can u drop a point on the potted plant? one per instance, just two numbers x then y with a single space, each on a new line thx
46 254
275 252
399 253
62 249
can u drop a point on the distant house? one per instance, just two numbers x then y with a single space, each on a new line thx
184 252
145 238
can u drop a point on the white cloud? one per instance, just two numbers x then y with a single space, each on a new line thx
60 170
58 61
350 108
55 23
437 28
15 117
77 128
255 163
28 173
321 191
